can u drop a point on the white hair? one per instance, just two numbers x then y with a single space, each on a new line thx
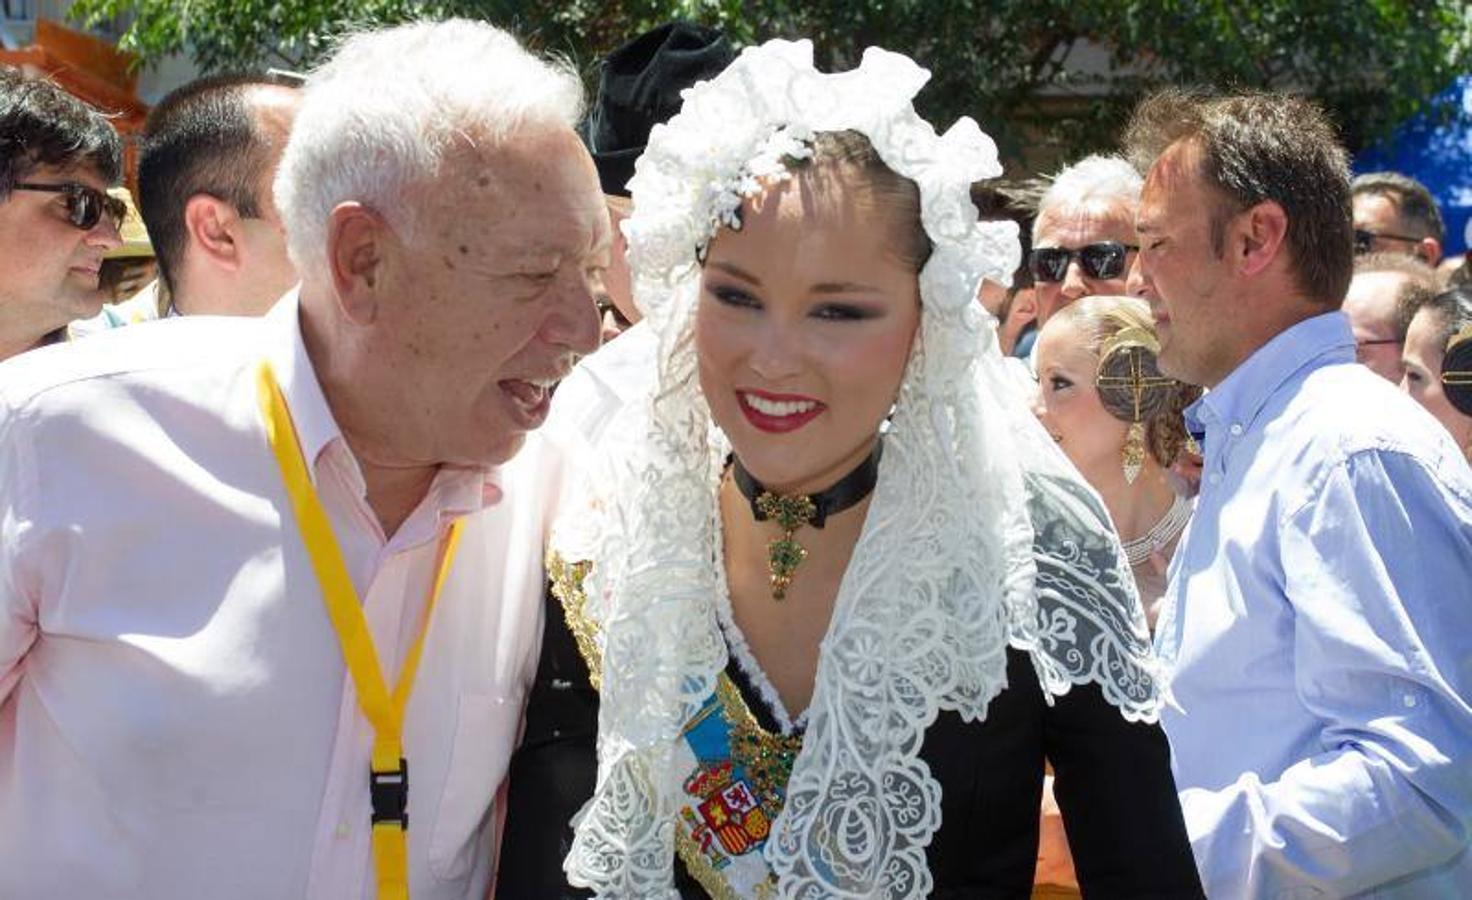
1093 179
381 116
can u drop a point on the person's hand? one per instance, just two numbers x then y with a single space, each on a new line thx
1055 862
1184 474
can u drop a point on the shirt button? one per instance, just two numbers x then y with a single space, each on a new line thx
1216 478
1409 700
1236 429
341 831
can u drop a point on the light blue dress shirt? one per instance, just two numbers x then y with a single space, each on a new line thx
1317 634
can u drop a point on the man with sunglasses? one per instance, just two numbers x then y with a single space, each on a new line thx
1394 213
57 158
1084 234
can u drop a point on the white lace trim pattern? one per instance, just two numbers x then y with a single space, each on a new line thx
942 576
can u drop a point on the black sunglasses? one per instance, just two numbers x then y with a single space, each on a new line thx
84 205
1364 241
1105 259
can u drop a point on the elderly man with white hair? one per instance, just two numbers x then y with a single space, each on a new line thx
228 546
1083 239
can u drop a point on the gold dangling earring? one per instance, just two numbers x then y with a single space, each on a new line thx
1133 452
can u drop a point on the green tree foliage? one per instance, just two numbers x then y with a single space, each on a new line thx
1050 77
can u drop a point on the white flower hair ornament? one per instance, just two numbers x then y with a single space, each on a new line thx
942 579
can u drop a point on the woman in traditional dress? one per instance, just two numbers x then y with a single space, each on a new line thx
840 594
1103 399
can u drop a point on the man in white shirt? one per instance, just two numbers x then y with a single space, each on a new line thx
210 528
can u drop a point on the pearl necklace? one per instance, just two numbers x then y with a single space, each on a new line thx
1161 533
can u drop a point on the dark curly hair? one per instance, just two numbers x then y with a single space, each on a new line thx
43 125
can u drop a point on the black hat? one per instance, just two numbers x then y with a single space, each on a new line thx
640 87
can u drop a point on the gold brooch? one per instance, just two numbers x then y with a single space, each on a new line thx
784 554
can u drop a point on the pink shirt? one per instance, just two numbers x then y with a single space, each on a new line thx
175 717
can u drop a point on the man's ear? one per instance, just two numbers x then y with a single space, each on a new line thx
1024 304
1429 250
1257 236
356 239
213 227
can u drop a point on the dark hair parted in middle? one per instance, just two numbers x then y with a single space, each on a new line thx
1257 147
851 153
42 125
201 139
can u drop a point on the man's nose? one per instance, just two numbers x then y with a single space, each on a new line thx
575 322
1074 284
105 234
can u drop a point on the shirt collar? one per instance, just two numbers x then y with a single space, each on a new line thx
1316 341
454 491
287 352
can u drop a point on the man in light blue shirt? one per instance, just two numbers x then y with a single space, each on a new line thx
1317 631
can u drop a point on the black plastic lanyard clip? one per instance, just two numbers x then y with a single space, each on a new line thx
390 795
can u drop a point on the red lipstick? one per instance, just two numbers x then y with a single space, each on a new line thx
778 413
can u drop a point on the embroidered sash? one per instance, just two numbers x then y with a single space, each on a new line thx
734 772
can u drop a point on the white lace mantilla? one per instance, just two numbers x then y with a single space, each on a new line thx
943 575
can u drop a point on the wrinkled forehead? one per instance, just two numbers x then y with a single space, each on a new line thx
1094 219
536 192
1377 208
1175 183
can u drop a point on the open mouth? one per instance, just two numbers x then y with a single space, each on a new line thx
778 413
529 399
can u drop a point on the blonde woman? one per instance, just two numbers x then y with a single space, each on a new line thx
1119 421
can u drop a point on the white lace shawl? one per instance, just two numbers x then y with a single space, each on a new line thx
944 575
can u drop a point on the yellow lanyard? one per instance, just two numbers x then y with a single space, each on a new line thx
389 773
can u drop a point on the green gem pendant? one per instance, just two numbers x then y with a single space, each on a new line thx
784 554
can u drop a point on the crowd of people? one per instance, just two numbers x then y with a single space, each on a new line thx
436 485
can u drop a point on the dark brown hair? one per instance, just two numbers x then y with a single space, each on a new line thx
1256 147
853 154
42 125
1414 205
1451 308
203 138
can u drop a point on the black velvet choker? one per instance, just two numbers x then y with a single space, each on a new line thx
792 511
